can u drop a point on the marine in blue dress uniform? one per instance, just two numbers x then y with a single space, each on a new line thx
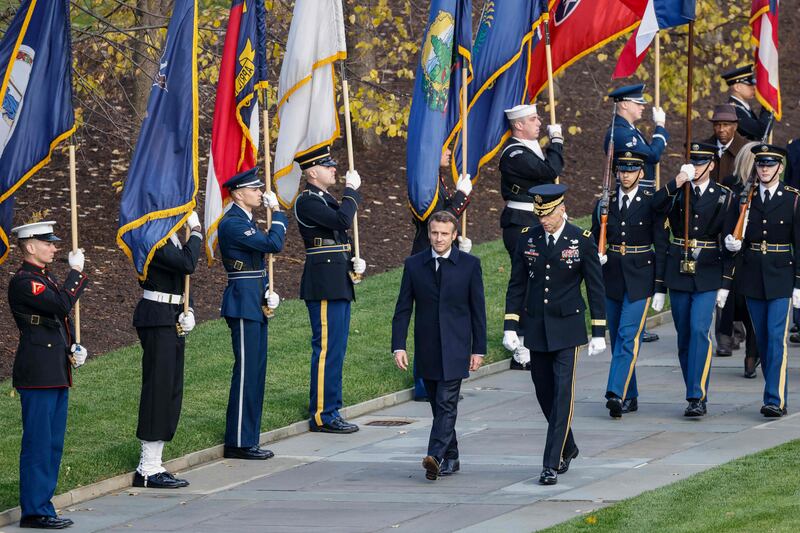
703 277
242 245
41 372
741 91
634 236
769 274
550 262
327 282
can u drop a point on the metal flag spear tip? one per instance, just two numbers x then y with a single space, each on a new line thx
350 163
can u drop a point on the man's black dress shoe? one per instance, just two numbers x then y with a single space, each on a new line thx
44 522
773 411
337 425
548 477
421 399
516 365
695 408
794 329
449 466
162 480
432 466
722 352
649 337
631 405
750 365
614 406
794 338
253 452
566 460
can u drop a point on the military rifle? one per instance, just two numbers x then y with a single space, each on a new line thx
605 196
746 197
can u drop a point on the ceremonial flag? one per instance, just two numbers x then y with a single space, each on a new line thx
307 113
578 28
435 106
508 32
236 128
36 93
162 180
764 24
655 15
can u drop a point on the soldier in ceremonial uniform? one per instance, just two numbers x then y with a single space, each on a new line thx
327 282
41 372
769 275
550 262
523 165
162 324
700 279
634 234
242 245
741 91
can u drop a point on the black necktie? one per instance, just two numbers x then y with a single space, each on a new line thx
551 243
766 196
438 267
697 191
624 211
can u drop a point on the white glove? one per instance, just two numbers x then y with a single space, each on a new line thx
554 132
359 265
464 244
732 243
659 116
688 170
464 184
186 321
657 304
796 298
194 221
76 260
273 300
270 200
352 180
722 297
511 340
597 345
603 258
79 355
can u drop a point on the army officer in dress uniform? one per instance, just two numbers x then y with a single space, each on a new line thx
741 91
162 325
769 275
41 372
549 264
242 245
699 277
634 235
327 283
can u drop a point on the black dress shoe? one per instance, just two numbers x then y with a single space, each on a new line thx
649 337
695 408
794 329
614 406
44 522
750 366
516 365
773 411
631 405
162 480
421 399
722 352
432 466
566 460
548 477
449 466
253 453
794 338
337 425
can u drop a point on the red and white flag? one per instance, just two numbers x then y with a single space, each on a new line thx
764 24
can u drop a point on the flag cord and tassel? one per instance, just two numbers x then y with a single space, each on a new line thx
658 94
464 139
73 200
551 94
351 164
268 312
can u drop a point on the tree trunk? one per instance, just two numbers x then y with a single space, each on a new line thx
147 47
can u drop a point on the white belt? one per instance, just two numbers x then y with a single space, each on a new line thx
522 206
163 297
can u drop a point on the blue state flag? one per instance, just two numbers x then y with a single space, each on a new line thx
162 180
36 93
435 106
508 32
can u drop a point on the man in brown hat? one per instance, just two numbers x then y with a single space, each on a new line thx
726 139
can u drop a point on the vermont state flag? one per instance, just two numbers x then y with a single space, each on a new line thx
162 180
36 93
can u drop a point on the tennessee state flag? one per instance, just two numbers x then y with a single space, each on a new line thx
578 28
236 128
36 94
764 24
162 180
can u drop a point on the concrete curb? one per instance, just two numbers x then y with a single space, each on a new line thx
179 464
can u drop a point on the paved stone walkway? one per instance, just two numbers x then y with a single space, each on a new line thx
373 480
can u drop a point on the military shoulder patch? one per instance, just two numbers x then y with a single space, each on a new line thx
525 230
250 232
37 288
515 153
587 233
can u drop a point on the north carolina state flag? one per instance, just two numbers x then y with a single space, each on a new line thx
578 28
764 23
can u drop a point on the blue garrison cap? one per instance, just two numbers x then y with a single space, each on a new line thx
547 197
629 93
248 178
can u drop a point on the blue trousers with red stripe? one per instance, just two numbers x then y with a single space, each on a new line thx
330 327
692 313
44 422
771 324
246 398
625 324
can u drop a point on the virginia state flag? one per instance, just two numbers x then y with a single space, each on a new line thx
36 93
508 32
764 24
235 132
435 106
162 181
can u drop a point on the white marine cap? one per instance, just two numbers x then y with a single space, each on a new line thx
42 231
520 111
